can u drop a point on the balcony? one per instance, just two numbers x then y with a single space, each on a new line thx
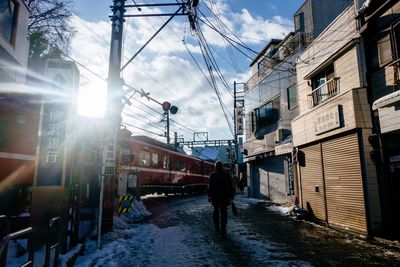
284 51
323 93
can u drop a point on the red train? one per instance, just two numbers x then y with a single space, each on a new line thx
163 169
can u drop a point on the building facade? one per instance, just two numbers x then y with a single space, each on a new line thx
19 113
271 102
379 23
336 175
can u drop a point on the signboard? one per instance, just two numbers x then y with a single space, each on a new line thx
327 121
132 180
239 114
53 167
109 152
52 145
290 177
122 183
284 149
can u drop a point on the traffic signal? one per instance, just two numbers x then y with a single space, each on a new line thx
166 105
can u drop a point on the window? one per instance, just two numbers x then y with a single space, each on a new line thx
154 160
292 96
324 86
166 162
180 165
144 158
384 50
8 19
299 22
396 39
265 115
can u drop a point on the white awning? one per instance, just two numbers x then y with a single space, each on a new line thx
386 100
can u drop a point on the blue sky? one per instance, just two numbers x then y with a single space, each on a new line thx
165 68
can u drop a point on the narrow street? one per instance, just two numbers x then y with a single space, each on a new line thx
180 233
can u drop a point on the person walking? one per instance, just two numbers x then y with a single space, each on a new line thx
220 194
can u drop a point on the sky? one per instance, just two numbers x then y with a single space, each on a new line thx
166 69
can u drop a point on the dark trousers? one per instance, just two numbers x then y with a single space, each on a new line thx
220 210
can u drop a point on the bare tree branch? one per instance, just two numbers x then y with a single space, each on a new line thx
48 25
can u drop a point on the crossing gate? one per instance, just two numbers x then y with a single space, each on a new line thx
124 204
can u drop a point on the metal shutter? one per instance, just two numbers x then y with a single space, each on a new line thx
311 181
343 183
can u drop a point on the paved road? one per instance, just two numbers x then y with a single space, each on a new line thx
260 237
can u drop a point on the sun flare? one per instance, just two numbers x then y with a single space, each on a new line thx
92 102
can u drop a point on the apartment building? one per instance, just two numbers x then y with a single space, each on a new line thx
379 23
271 102
336 175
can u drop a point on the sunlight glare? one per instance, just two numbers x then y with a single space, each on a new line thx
92 102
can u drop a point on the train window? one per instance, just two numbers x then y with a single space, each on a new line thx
154 159
144 158
166 162
183 165
177 164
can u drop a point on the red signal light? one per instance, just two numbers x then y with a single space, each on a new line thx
166 105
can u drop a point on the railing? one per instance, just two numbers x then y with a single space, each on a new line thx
298 40
53 242
17 235
323 92
4 226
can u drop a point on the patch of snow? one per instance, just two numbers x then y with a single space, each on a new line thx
280 209
64 258
138 212
24 214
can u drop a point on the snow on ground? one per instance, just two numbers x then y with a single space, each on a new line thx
17 254
146 244
280 209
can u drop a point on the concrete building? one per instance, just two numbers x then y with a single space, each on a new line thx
336 175
380 28
271 102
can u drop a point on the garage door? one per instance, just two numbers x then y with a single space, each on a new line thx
343 183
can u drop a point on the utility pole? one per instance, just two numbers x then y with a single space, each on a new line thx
113 116
167 126
234 127
115 95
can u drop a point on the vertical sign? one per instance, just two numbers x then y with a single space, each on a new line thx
239 120
52 144
52 165
290 176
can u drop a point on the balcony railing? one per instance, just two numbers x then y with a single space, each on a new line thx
323 92
300 39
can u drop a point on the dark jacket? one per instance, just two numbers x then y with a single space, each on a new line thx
220 188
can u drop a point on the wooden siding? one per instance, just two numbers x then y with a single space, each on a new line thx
343 181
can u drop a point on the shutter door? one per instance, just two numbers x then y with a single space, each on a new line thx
311 178
343 183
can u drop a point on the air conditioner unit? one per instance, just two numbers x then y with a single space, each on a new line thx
278 135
